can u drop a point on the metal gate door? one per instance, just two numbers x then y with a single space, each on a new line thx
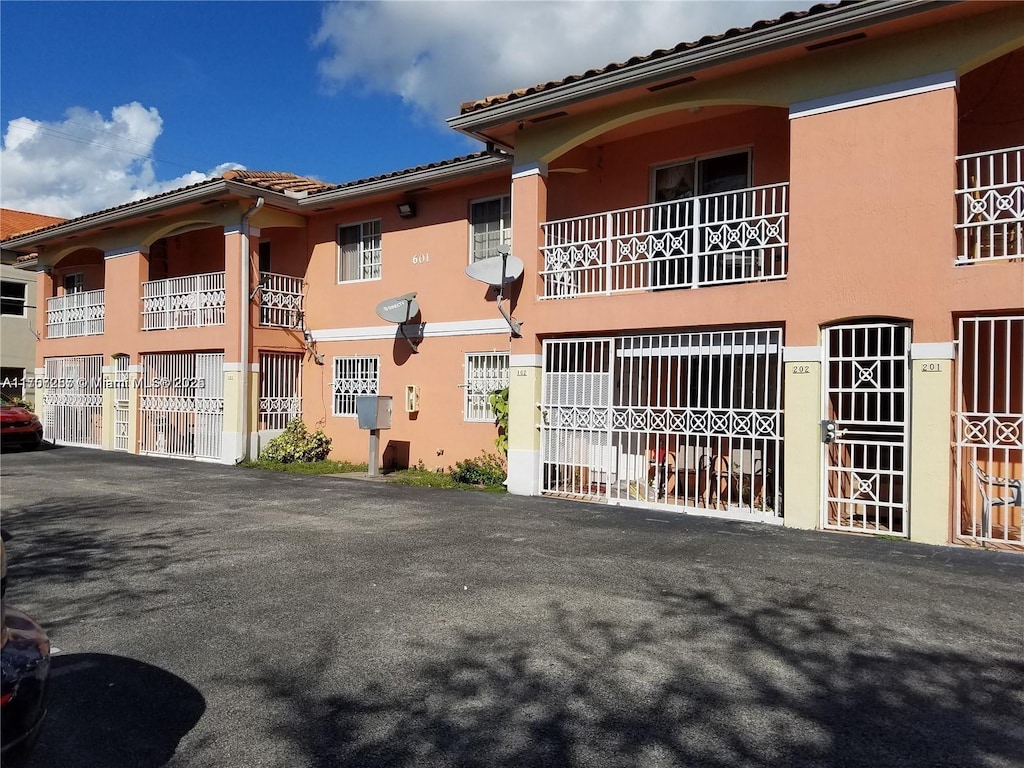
866 399
989 474
181 407
73 400
122 384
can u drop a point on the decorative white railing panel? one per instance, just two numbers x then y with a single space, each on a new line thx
181 404
281 300
75 314
731 237
193 301
688 421
122 403
280 389
73 400
990 204
990 429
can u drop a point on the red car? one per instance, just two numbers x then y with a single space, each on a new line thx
18 425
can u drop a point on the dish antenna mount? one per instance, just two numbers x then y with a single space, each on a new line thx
499 271
400 310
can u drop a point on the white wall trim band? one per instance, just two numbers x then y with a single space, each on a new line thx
539 168
801 354
936 350
526 361
874 94
232 367
426 330
122 252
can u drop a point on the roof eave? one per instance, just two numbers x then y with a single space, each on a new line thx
804 30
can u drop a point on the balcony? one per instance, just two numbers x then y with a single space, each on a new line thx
281 300
193 301
75 314
730 237
990 206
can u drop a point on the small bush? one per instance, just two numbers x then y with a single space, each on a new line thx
488 469
295 444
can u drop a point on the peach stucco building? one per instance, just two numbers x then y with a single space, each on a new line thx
772 275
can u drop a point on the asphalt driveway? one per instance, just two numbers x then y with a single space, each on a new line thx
215 616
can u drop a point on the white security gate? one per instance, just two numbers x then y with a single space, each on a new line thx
280 389
866 386
73 400
181 405
122 384
688 421
990 429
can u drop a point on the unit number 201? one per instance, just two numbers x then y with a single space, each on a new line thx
931 367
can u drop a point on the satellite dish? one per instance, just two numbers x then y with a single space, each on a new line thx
499 271
400 310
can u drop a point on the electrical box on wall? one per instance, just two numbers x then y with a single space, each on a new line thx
412 398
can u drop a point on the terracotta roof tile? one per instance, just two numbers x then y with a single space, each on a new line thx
490 101
278 182
19 222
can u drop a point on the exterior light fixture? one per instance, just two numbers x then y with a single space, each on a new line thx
407 209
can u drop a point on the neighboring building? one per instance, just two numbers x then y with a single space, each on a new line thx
774 275
18 307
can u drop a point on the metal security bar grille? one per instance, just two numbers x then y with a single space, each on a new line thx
485 373
354 376
181 404
193 301
75 314
866 385
73 400
731 237
990 200
688 420
990 429
280 389
122 385
281 299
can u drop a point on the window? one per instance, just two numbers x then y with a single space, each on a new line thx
486 372
702 176
74 283
359 252
354 376
490 225
12 298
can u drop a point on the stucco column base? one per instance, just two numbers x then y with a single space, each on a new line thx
109 404
801 493
930 446
234 445
523 420
134 391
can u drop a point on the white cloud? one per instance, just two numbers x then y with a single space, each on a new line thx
85 162
436 55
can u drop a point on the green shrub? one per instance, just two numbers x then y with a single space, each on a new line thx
489 469
499 403
295 444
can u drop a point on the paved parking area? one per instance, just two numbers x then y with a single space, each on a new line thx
214 616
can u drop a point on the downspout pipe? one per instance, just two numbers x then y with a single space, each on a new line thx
246 319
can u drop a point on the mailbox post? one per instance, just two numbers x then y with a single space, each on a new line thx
374 414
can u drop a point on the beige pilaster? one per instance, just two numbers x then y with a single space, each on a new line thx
109 404
801 493
523 425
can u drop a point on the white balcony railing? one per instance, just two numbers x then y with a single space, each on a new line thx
75 314
990 205
731 237
280 300
192 301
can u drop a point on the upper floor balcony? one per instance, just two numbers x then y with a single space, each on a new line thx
191 301
281 300
990 206
717 239
75 314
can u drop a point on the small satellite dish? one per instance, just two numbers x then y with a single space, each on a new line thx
499 271
400 309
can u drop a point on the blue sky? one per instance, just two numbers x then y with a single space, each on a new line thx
102 103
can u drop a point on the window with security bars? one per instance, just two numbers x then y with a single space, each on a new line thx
354 376
485 373
490 225
359 252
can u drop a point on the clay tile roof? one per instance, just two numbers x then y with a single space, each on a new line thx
19 222
410 171
490 101
278 182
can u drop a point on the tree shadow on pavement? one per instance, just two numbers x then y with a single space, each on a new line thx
110 711
698 677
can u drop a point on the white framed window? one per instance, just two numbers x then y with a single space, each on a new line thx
12 298
359 252
353 376
486 372
490 225
74 283
700 176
